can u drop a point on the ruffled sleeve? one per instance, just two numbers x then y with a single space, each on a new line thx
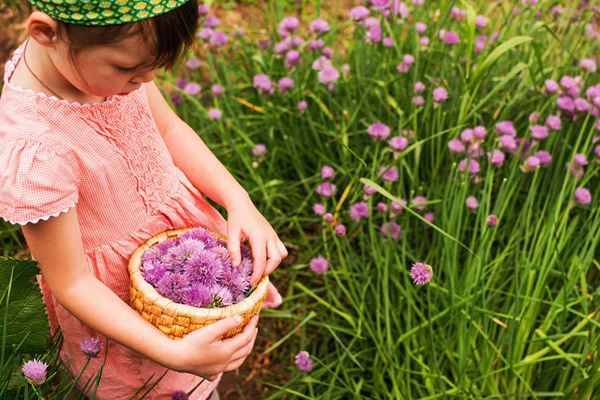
37 181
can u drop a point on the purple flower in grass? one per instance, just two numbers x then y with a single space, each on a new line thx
327 172
285 84
303 361
302 105
421 273
472 203
583 196
359 211
319 209
378 131
319 26
263 84
259 150
390 230
319 264
326 189
192 88
492 220
35 371
440 95
340 230
90 346
214 114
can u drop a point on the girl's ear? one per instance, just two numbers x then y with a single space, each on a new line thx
42 28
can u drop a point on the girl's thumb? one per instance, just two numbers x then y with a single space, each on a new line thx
219 328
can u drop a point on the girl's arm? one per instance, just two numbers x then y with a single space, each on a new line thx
57 246
207 174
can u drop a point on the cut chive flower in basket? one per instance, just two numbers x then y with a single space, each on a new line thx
183 279
196 269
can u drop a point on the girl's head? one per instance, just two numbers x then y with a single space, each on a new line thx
114 59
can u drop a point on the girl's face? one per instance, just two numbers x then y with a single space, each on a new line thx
107 70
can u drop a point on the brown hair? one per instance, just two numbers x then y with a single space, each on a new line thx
170 34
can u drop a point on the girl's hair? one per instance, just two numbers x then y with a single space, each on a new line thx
170 34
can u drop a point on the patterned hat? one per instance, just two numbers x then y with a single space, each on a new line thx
104 12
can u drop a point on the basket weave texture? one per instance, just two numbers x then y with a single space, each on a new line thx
175 319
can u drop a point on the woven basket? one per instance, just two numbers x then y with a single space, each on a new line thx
174 319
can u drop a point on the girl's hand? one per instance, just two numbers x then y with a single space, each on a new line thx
273 299
203 352
245 221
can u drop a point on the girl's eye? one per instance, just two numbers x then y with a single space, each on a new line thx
125 69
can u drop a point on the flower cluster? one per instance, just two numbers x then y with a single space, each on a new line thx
196 269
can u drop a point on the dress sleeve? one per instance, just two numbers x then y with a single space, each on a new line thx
37 181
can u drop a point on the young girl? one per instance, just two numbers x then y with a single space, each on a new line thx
93 162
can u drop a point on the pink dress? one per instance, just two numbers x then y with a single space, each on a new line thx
109 161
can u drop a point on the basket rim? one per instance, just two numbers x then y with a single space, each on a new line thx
172 308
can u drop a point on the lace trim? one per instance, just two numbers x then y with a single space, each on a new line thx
42 218
11 65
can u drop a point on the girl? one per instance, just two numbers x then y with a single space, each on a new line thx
92 162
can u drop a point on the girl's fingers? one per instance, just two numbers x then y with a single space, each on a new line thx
284 252
233 245
244 351
274 257
259 251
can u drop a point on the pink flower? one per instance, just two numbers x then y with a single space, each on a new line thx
259 150
588 64
389 174
420 27
319 26
418 101
378 131
263 84
419 203
302 105
398 143
326 189
391 230
429 217
319 209
531 163
440 95
583 196
35 371
506 128
216 90
328 217
456 146
496 158
359 211
544 157
419 87
192 88
359 13
565 103
492 220
214 114
449 37
509 143
382 207
472 203
193 63
303 361
397 206
327 172
285 84
551 86
90 346
421 273
319 264
553 122
340 230
328 75
481 21
539 132
368 190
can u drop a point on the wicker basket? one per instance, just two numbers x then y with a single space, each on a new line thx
174 319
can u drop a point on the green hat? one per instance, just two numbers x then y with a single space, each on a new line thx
104 12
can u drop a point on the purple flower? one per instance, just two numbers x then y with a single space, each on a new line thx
214 113
192 88
583 196
205 33
378 131
551 86
327 172
302 105
292 58
531 163
193 63
340 230
582 105
263 84
398 143
418 101
506 128
303 361
368 190
328 75
396 207
492 220
419 87
456 146
35 371
539 132
203 9
440 95
389 174
359 211
588 64
420 27
580 160
197 295
388 41
481 21
382 207
472 203
390 230
216 90
359 13
259 150
212 21
421 273
428 217
544 157
553 122
288 25
449 37
319 209
328 217
316 44
496 158
218 39
285 84
419 202
319 26
171 286
424 41
326 189
565 103
319 264
179 395
508 143
90 346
